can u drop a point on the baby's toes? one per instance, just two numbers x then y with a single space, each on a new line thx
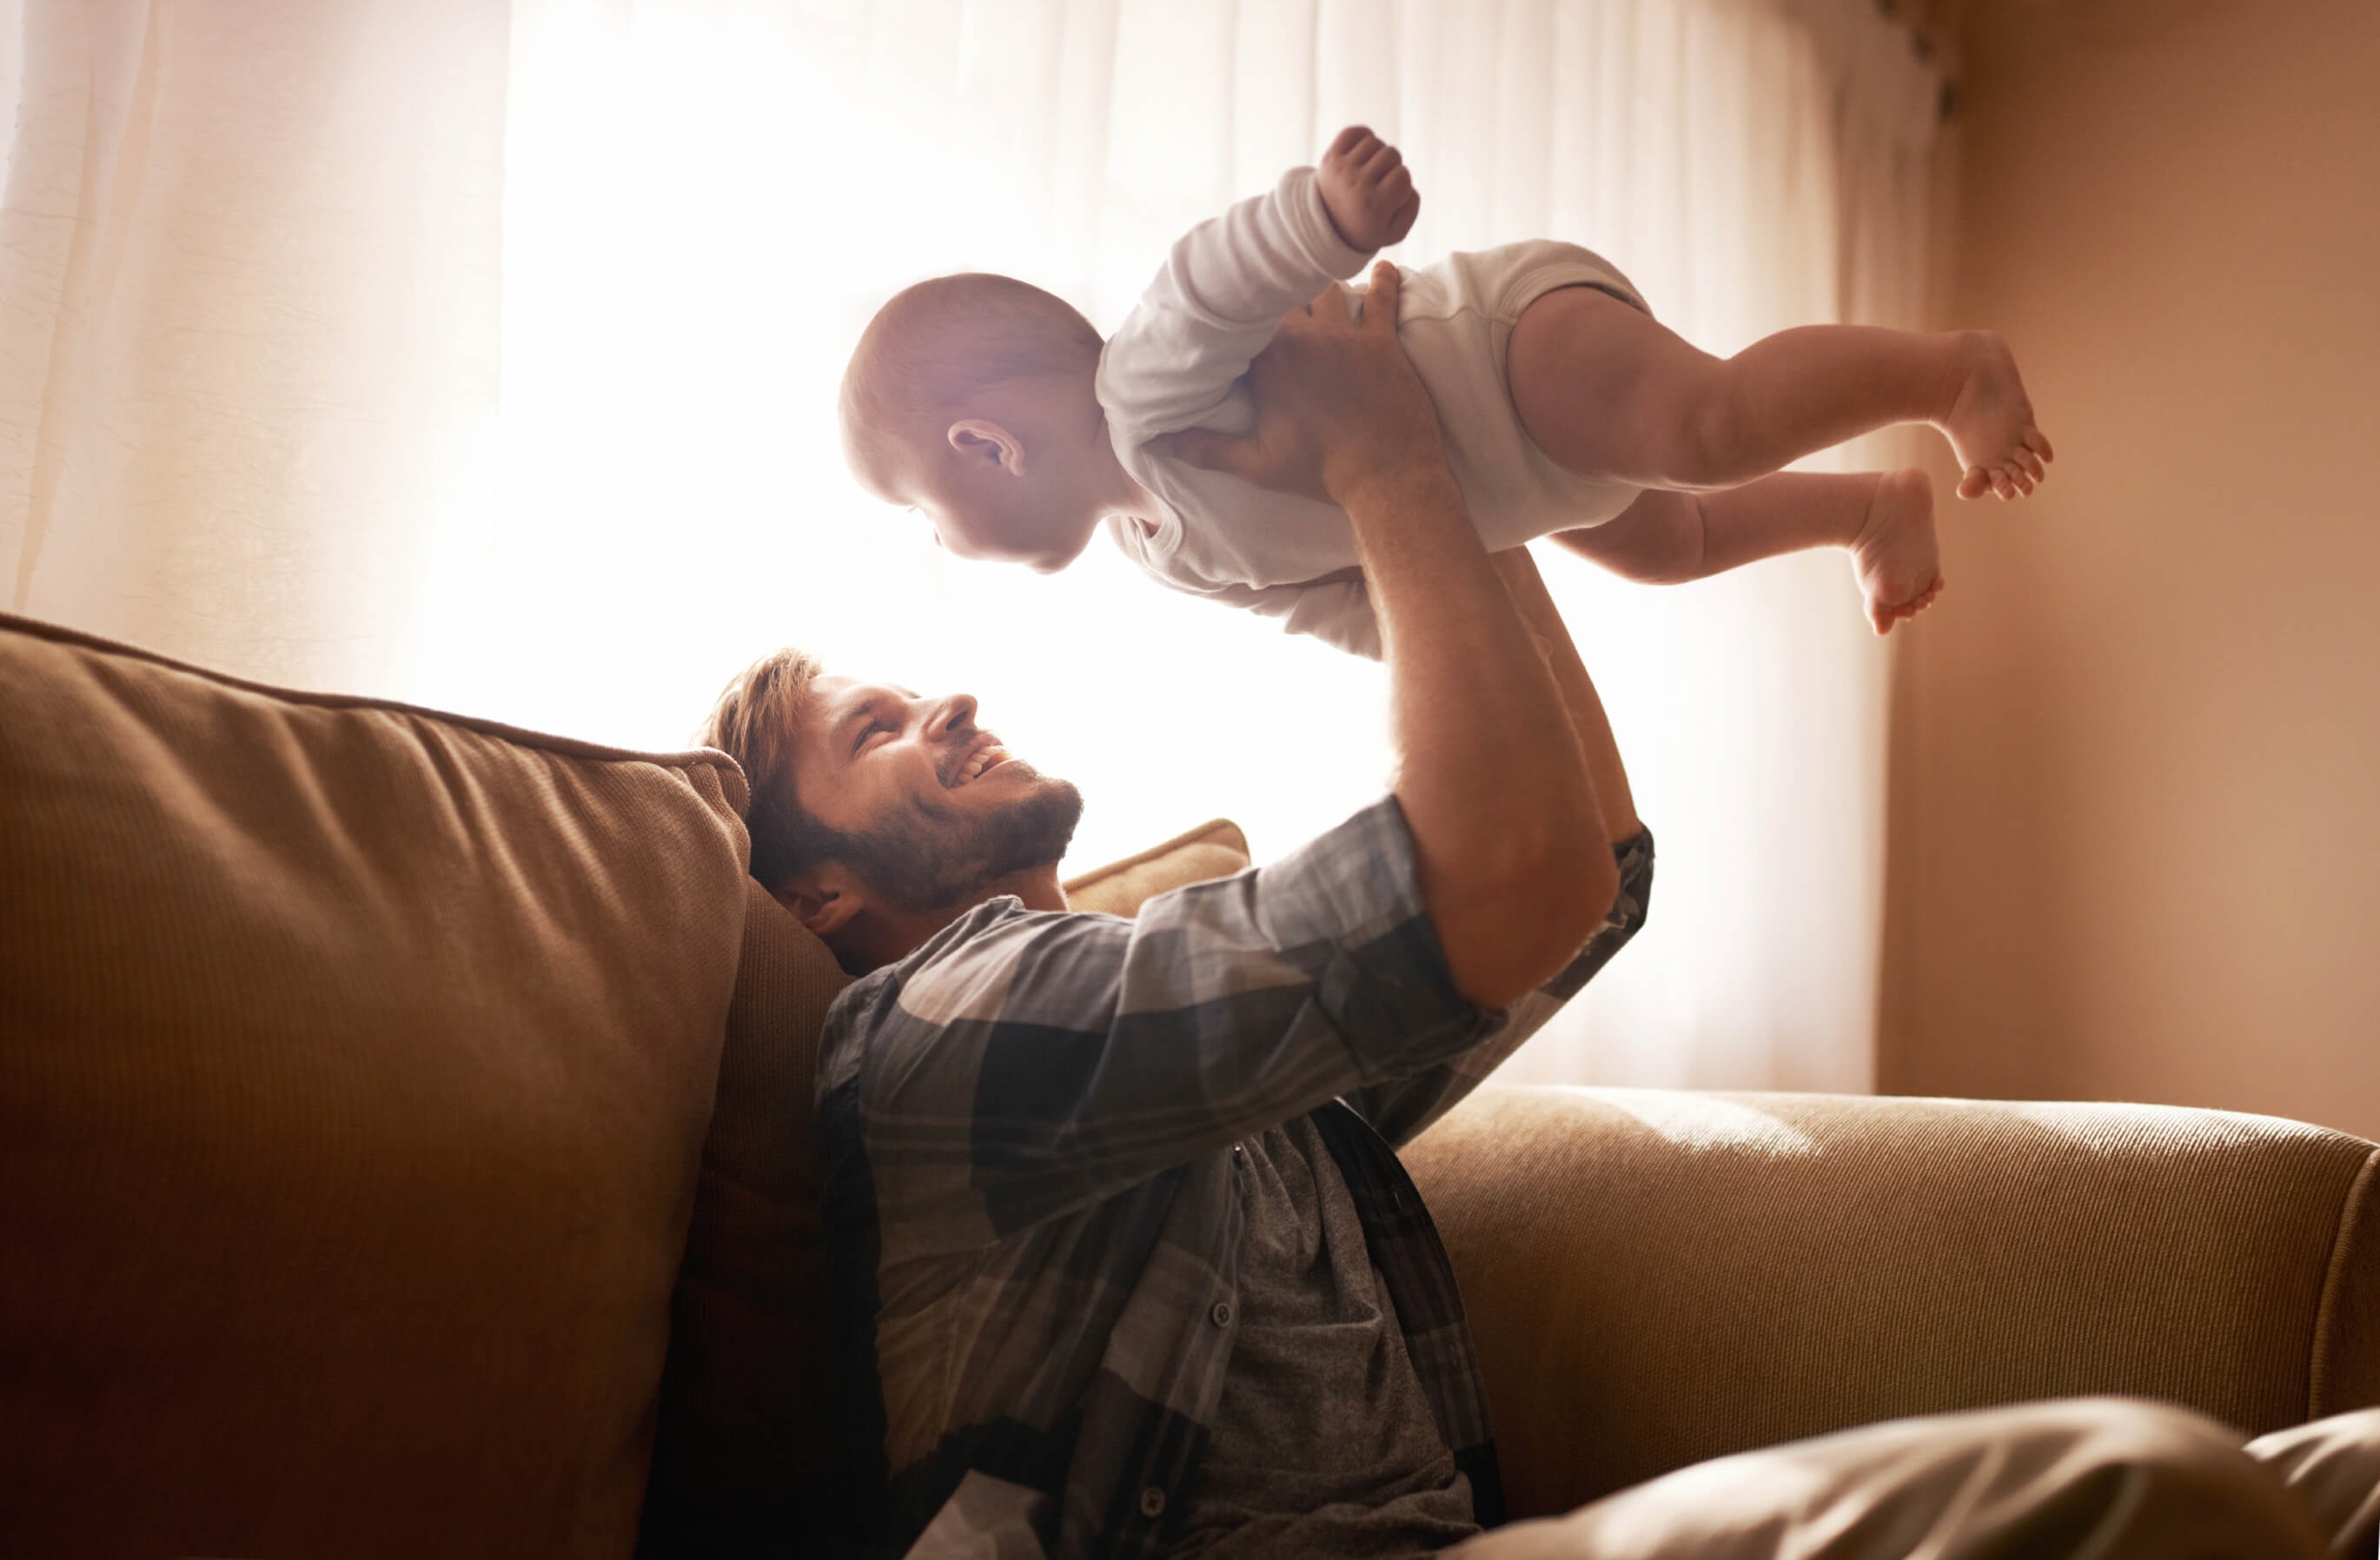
1974 482
1906 610
2038 443
2032 465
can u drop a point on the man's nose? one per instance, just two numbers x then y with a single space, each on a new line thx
956 711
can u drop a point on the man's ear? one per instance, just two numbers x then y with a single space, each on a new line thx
823 899
982 442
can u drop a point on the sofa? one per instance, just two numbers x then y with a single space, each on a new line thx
405 1149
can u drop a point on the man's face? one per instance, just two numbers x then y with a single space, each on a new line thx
928 809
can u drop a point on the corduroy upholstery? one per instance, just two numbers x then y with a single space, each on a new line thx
751 1448
1655 1278
355 1064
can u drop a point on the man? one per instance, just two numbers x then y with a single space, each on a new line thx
1128 1264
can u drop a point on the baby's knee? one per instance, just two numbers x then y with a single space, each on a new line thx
1657 540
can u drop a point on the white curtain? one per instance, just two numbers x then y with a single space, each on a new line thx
484 355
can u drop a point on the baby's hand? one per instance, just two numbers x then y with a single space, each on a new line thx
1366 190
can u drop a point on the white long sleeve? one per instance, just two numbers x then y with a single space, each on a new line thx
1338 612
1214 306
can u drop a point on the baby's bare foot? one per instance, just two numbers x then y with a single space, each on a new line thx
1895 556
1990 422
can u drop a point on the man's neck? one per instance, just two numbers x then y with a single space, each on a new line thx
878 937
1038 886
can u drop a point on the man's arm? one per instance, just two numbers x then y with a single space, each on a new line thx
1514 851
1585 706
1400 1109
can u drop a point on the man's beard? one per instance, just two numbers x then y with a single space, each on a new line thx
929 856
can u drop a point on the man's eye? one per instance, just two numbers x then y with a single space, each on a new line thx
870 729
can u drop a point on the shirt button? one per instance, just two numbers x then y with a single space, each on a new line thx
1222 1315
1152 1501
1239 1148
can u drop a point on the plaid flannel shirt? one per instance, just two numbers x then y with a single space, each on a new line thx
1028 1129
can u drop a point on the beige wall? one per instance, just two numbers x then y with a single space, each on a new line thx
2136 798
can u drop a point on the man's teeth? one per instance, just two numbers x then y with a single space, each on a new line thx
983 760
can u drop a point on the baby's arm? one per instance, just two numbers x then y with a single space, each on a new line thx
1222 291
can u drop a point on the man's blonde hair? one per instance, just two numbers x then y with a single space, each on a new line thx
754 723
935 348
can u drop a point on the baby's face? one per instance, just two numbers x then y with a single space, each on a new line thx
982 507
982 533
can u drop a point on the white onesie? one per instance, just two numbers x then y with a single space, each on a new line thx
1177 360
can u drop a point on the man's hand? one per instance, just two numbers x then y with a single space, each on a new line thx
1367 190
1337 404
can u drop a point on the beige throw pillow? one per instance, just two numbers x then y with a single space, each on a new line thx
1213 849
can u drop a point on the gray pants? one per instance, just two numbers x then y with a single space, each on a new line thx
2109 1479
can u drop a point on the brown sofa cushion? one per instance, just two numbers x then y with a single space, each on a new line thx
1659 1277
751 1456
355 1062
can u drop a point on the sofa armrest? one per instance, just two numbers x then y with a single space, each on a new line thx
1659 1277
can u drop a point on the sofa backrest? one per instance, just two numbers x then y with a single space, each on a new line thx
752 1454
355 1063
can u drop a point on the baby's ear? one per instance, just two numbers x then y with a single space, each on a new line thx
983 443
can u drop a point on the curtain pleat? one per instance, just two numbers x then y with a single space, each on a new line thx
248 372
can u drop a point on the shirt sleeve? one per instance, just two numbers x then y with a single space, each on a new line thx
1215 305
1400 1109
1337 612
1045 1062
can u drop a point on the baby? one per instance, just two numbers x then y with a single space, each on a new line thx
994 410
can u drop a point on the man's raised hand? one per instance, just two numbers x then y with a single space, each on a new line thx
1367 190
1337 404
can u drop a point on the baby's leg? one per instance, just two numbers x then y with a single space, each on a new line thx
1886 521
1608 391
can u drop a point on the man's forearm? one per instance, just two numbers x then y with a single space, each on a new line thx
1604 768
1495 785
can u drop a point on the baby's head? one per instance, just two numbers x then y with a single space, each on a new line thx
972 399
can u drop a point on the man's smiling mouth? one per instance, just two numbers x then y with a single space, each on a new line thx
989 756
